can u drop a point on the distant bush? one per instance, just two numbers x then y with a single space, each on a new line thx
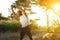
9 26
34 25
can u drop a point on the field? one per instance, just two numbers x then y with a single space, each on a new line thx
36 35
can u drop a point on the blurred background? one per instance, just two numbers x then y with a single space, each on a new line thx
44 16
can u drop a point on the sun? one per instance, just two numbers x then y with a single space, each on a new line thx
56 7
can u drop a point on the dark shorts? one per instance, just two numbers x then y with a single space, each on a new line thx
26 30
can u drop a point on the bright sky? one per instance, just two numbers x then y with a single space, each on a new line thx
41 14
4 5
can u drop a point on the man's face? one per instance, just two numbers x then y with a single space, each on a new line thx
19 13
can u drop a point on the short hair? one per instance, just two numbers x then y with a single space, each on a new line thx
20 12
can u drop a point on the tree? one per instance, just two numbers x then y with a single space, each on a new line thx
0 16
24 3
48 4
3 18
45 3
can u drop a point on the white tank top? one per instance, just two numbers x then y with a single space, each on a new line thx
24 21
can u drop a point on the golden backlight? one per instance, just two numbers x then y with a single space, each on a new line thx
41 14
56 7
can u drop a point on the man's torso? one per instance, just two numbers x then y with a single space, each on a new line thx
24 21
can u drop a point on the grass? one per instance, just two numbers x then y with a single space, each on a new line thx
36 35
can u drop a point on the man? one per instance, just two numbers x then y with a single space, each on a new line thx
23 18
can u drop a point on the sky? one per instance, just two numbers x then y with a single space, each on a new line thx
4 6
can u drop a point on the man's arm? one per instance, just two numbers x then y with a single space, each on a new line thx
14 14
23 11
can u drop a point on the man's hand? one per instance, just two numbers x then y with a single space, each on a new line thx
13 6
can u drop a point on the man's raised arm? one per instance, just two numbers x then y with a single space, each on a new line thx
14 14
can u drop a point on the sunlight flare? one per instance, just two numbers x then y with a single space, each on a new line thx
40 14
56 7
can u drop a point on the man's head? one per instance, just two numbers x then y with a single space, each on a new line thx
20 13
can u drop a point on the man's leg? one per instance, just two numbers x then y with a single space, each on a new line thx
22 33
30 35
28 32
